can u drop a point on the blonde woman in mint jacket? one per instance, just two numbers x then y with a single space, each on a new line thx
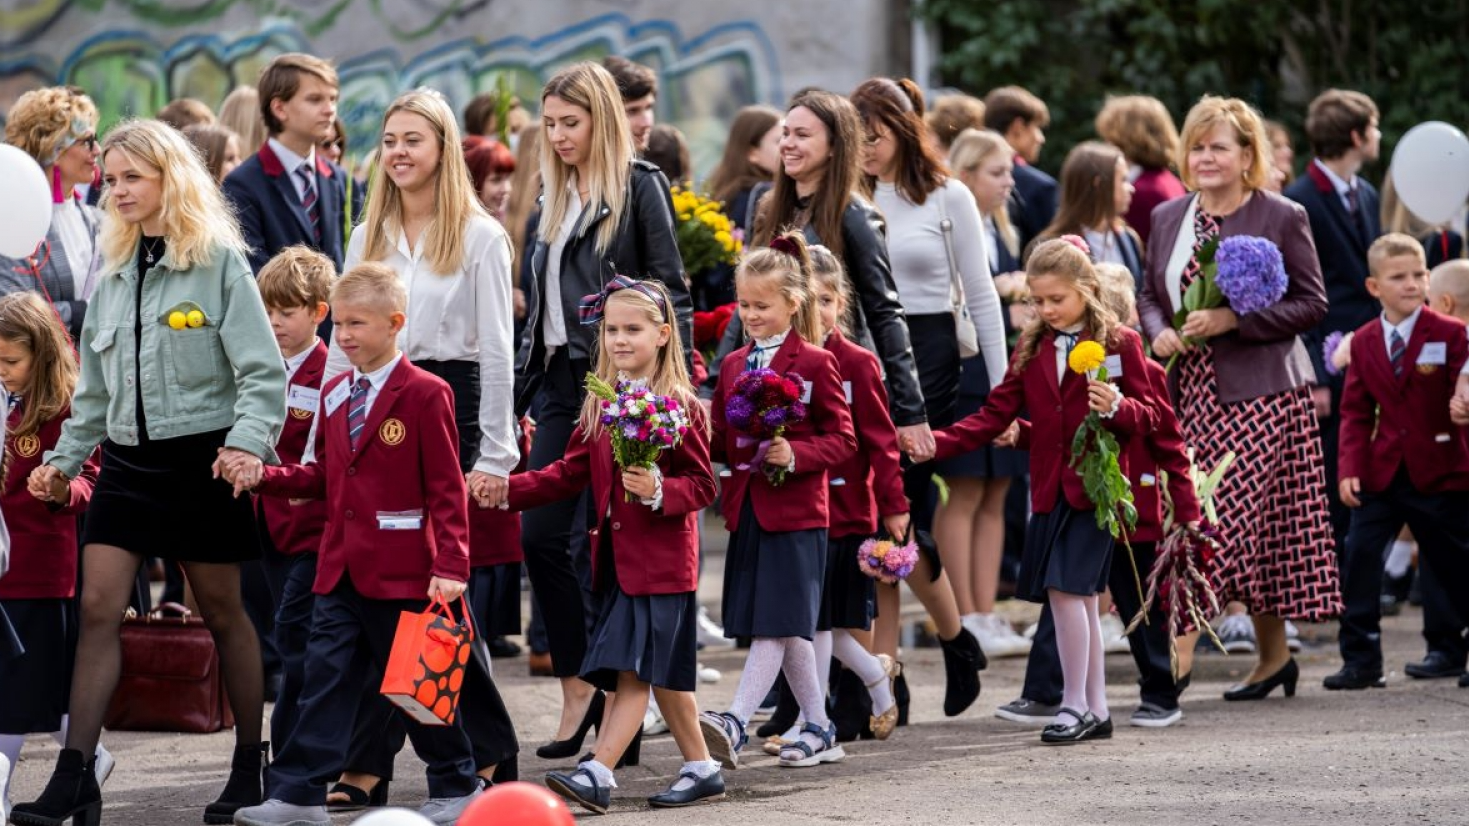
180 374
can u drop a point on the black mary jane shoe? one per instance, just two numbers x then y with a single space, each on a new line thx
1057 734
1101 731
704 788
562 749
591 795
1287 677
1350 678
357 797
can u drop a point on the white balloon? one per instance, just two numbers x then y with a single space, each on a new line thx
393 817
1430 169
25 210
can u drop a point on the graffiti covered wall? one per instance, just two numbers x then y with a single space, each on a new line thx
133 56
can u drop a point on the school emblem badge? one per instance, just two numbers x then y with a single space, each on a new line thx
392 432
1427 369
298 413
28 446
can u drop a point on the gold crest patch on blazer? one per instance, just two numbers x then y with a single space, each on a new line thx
392 432
298 413
27 446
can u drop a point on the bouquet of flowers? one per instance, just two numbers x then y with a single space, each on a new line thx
1187 563
1336 352
1245 271
1095 452
641 423
887 561
705 236
761 406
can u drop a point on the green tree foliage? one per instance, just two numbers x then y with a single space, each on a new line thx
1411 56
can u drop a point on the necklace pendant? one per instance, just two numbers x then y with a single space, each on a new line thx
149 259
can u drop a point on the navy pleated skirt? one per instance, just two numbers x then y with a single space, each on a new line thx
1064 550
38 639
654 636
849 597
772 580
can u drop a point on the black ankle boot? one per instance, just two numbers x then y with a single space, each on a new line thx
244 788
786 712
963 660
901 695
851 708
71 794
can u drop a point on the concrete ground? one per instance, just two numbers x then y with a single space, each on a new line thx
1393 756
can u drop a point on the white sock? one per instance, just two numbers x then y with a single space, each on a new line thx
758 675
867 667
10 745
699 768
599 771
1399 558
822 643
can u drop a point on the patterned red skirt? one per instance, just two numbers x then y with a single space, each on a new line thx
1278 557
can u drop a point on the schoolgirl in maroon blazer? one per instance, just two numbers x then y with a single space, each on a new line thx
645 547
1067 556
37 593
776 563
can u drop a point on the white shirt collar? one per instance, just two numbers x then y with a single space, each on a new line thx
1342 187
773 341
294 362
378 377
290 160
1405 329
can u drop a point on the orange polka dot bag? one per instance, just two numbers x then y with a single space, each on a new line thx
426 666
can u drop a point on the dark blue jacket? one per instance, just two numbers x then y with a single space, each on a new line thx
1032 202
270 212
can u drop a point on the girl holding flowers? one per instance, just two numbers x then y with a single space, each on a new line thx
775 499
1067 549
645 558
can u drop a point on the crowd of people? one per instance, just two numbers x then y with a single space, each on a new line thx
311 396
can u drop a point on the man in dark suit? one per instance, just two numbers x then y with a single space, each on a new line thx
287 193
1022 118
1343 210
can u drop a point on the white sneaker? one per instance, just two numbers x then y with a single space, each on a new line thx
5 792
653 722
708 675
1237 634
104 765
711 633
1031 629
1114 635
997 638
1292 637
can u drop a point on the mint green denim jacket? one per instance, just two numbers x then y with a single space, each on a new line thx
227 373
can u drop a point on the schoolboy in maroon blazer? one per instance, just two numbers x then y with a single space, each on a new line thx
872 480
385 456
1402 460
1057 408
654 551
43 535
823 440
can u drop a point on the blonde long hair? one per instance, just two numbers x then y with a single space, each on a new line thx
1061 258
670 375
608 165
968 151
455 201
792 266
196 220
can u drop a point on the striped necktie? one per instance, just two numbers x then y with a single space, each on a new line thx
357 410
1396 348
308 199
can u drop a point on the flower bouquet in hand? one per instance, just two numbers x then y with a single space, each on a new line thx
706 237
1188 559
887 560
761 406
1245 272
1095 453
641 423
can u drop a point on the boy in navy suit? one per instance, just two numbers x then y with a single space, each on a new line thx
287 193
1343 210
1022 118
385 457
1402 459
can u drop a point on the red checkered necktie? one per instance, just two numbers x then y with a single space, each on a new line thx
357 410
308 198
1396 348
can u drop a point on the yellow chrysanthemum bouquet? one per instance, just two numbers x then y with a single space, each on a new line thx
1095 454
706 237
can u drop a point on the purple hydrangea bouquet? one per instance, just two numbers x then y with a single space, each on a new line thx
1245 272
887 560
762 405
641 423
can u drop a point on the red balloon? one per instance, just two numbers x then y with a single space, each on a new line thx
521 804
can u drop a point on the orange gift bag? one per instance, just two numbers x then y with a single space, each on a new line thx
426 666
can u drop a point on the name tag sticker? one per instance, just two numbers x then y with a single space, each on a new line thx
1114 366
1434 352
303 398
1442 438
838 481
805 392
1147 480
335 398
400 520
847 388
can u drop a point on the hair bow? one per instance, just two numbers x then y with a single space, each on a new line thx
593 306
785 245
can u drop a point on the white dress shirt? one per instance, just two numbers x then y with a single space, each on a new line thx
1404 329
375 381
1342 187
466 315
291 161
764 350
80 244
293 363
552 317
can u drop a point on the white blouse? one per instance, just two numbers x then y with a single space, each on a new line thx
467 315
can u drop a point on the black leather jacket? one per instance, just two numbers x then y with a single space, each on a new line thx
645 248
878 321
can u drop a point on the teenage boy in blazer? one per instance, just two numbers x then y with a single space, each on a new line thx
287 193
1402 459
385 457
1022 118
1343 210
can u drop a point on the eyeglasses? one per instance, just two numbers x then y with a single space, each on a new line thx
90 141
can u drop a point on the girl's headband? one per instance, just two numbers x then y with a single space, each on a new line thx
1078 242
594 306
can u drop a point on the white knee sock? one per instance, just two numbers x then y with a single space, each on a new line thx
10 745
822 645
1096 666
800 671
1073 639
1399 558
761 666
866 666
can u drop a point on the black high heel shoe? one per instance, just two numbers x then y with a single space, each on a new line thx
630 755
71 794
562 749
1287 676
